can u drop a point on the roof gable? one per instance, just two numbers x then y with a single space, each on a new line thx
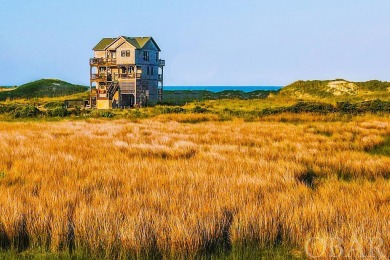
137 42
115 44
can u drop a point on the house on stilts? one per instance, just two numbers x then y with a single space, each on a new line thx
126 72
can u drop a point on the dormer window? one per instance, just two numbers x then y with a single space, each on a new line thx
146 55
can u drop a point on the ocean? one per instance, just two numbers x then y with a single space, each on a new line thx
222 88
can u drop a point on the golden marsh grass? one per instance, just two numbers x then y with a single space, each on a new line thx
160 187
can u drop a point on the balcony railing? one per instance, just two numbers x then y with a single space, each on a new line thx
127 76
101 61
115 76
103 76
161 63
98 76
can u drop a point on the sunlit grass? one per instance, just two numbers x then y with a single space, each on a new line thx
184 185
382 148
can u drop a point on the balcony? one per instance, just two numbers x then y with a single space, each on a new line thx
127 76
102 61
160 77
97 76
161 63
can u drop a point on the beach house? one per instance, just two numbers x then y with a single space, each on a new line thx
126 72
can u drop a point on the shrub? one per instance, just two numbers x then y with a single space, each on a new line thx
374 106
273 111
2 109
200 110
312 107
346 107
136 114
58 111
8 108
76 111
107 114
26 111
172 110
54 104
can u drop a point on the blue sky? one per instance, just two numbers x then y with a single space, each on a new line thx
220 42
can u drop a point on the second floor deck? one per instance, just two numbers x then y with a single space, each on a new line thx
113 77
113 62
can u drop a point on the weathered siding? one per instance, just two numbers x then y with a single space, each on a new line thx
100 54
149 82
145 72
152 57
125 60
147 91
152 48
153 93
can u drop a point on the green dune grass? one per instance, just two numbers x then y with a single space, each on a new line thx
43 88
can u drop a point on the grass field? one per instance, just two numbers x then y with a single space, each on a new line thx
281 175
286 185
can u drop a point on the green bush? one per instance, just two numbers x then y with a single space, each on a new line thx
373 106
58 111
200 110
76 111
346 107
107 114
54 104
8 108
171 110
3 109
311 107
25 111
273 111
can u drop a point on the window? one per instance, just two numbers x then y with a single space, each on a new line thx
146 55
123 70
125 53
152 71
148 71
111 54
157 56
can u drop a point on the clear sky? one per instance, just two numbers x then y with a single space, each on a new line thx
220 42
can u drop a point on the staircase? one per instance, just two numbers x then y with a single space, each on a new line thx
112 88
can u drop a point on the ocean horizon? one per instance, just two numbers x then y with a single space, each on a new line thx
222 88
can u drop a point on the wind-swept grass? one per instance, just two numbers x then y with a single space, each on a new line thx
383 148
175 186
